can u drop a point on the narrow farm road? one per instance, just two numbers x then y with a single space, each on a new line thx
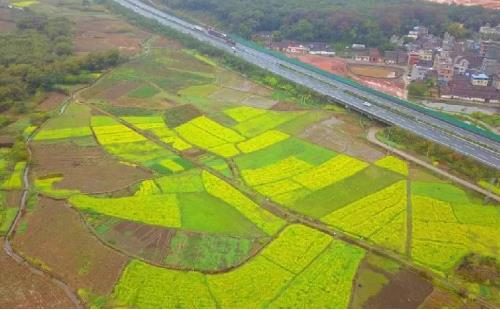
372 138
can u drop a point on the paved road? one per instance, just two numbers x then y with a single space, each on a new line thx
470 144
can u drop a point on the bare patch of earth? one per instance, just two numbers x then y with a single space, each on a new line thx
332 133
259 102
148 242
58 241
53 100
287 106
21 289
97 34
88 169
440 299
405 290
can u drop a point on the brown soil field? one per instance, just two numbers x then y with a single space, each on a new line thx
338 66
20 288
148 242
163 42
6 22
88 169
53 100
13 198
98 34
405 290
375 71
57 238
116 91
287 106
341 135
440 299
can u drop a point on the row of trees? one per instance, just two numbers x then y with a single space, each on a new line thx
457 162
339 21
39 55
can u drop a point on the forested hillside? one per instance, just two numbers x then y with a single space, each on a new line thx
39 55
339 21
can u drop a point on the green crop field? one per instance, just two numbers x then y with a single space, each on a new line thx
72 126
317 278
207 252
161 210
447 226
143 92
393 163
15 180
380 217
262 218
126 144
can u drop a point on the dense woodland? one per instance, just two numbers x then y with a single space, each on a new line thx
371 22
39 55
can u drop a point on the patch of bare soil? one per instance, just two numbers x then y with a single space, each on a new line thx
116 91
179 115
13 198
52 101
405 290
340 136
150 103
88 169
259 102
287 106
94 34
440 299
6 21
20 288
57 240
163 42
148 242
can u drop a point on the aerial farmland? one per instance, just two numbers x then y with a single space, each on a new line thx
172 180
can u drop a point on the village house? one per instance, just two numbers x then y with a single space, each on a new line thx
320 48
448 42
479 79
413 58
426 55
461 88
462 63
496 81
396 57
488 32
420 71
444 67
491 61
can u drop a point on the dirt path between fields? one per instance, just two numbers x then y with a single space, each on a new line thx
372 138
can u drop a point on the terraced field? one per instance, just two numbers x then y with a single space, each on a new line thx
212 194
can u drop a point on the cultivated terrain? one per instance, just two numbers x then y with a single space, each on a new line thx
173 181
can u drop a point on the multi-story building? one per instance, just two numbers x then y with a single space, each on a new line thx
444 67
420 71
479 79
